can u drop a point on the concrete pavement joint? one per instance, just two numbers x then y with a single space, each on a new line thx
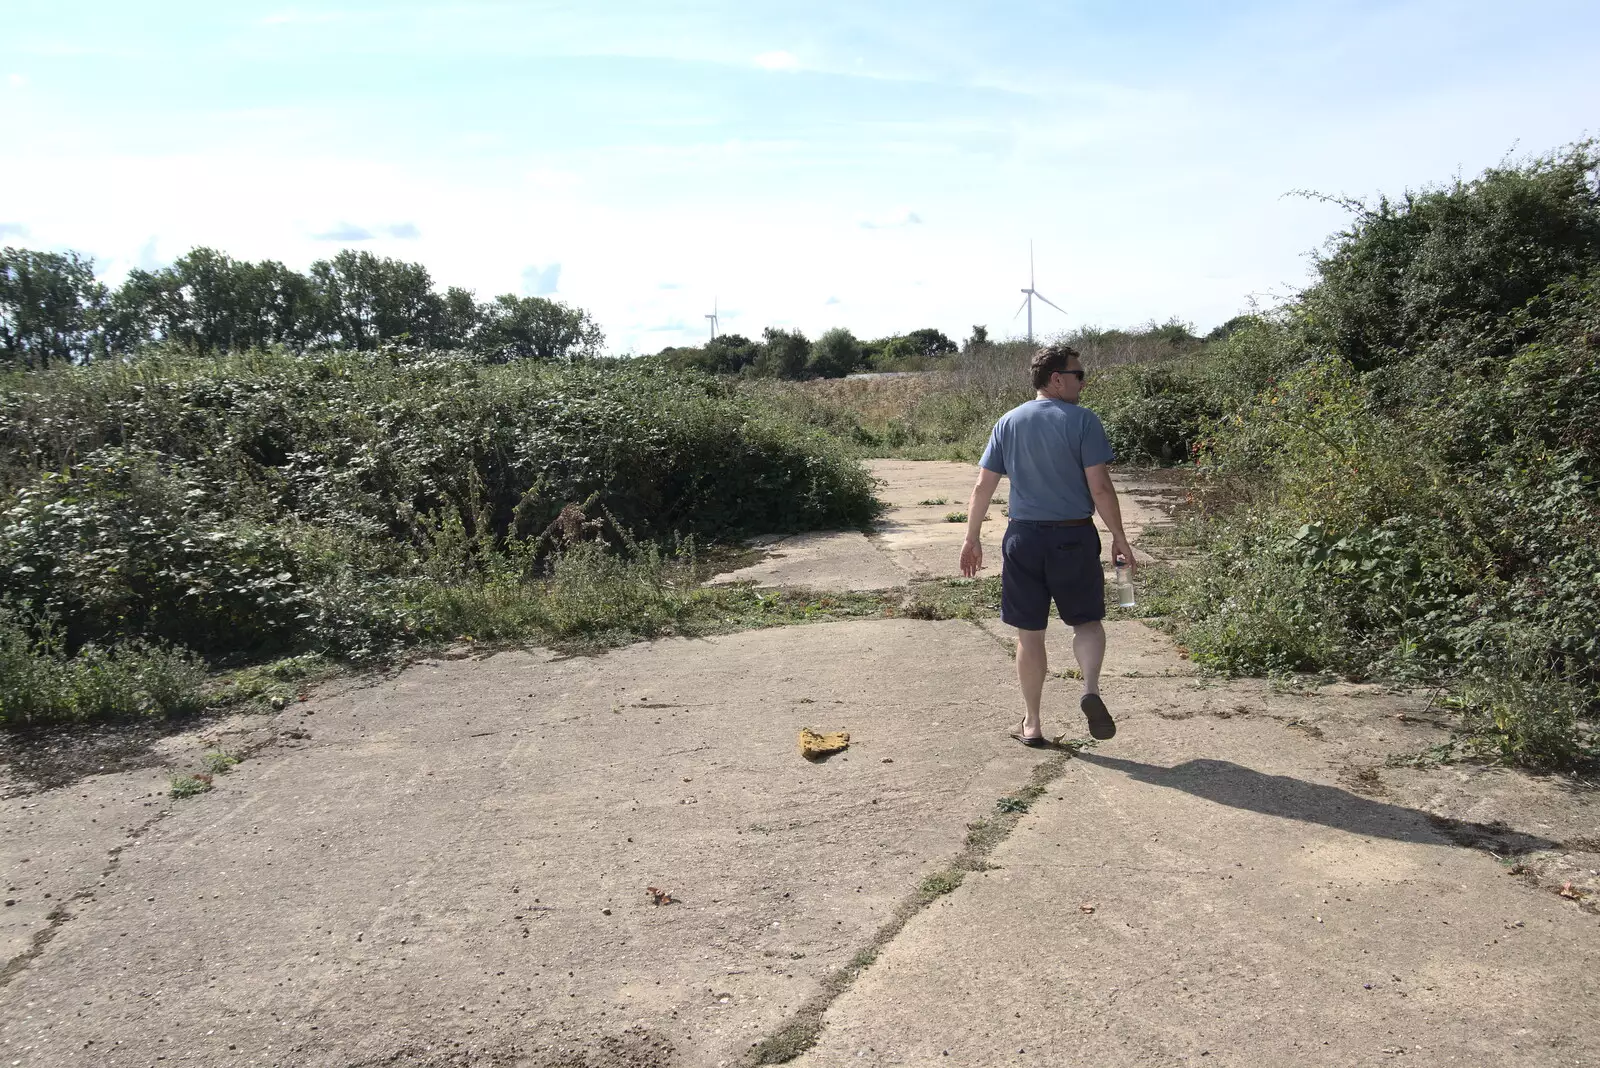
59 916
984 835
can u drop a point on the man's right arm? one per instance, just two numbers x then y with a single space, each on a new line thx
1105 502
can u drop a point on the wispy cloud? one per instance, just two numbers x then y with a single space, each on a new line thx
540 281
833 300
13 230
777 61
903 217
344 232
404 231
669 285
16 81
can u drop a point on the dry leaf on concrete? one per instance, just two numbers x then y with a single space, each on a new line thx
814 746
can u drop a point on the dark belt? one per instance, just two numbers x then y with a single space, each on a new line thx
1058 522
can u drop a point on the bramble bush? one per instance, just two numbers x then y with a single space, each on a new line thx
265 504
1424 498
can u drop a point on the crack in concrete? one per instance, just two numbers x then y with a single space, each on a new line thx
802 1030
59 916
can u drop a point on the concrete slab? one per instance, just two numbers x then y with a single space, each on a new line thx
448 867
839 560
1207 892
452 868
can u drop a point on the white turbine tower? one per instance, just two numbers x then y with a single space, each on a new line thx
1027 301
713 318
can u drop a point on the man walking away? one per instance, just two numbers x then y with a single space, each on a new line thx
1055 454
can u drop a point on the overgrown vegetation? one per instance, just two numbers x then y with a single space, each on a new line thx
346 504
1402 470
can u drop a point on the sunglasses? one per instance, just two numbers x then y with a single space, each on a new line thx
1076 372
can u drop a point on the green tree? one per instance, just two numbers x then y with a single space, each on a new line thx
835 354
535 328
931 344
367 300
731 353
980 336
212 303
50 308
462 319
784 353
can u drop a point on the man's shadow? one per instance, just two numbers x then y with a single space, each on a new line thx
1236 786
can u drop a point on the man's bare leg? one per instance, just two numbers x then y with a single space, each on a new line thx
1089 646
1033 663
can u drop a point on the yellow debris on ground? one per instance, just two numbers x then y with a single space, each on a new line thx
814 746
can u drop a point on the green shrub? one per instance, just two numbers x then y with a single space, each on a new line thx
265 503
41 683
1447 265
122 544
1425 499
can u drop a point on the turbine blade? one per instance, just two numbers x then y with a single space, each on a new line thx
1024 304
1030 263
1052 303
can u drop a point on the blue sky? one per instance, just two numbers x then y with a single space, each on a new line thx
876 166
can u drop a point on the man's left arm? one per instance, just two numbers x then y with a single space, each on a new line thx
977 511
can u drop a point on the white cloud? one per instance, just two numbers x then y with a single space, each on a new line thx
17 81
777 61
404 231
13 230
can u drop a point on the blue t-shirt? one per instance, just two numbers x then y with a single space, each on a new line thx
1043 446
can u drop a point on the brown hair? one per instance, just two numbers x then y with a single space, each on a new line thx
1052 359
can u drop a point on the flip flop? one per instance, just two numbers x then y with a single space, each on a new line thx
1101 725
1040 742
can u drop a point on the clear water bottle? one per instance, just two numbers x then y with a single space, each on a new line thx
1124 581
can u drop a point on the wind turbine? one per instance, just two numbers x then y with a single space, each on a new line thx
1027 301
713 318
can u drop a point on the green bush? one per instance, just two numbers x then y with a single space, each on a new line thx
1448 265
1425 500
266 503
40 683
122 544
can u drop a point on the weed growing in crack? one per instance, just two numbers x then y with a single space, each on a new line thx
189 785
940 883
220 762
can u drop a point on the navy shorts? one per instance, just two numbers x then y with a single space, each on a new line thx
1044 563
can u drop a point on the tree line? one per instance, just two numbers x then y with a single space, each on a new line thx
836 353
53 310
